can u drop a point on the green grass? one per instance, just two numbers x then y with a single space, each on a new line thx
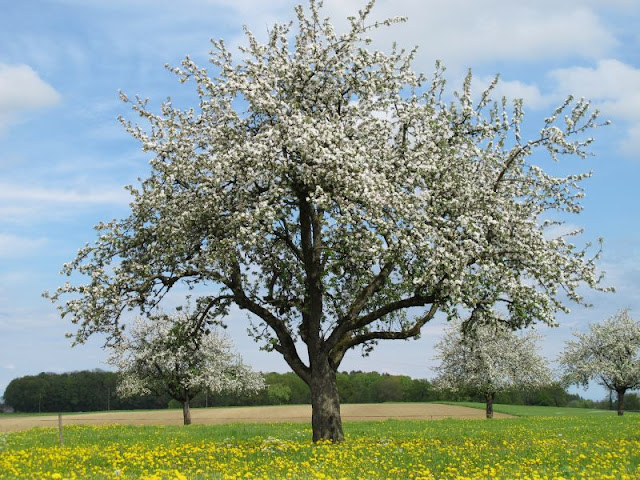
48 414
516 410
537 411
29 414
562 446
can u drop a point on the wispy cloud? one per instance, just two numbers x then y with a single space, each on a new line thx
613 84
16 246
511 89
18 194
466 32
21 204
614 87
630 145
460 32
22 89
610 84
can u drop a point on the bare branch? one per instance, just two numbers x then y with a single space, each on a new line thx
358 339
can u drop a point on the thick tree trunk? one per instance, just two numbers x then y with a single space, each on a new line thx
621 393
489 398
325 403
186 412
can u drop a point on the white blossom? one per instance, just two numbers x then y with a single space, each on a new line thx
488 359
608 353
172 354
337 196
491 359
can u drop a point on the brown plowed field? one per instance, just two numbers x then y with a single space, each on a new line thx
268 414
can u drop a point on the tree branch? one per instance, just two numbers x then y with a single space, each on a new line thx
286 238
341 331
286 346
348 343
349 320
365 294
311 245
415 301
512 158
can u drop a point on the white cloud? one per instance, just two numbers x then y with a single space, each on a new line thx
630 145
255 10
623 273
562 230
9 366
460 32
511 89
22 204
22 89
614 88
465 32
614 85
15 246
19 194
611 85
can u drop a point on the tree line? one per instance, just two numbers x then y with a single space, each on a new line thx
95 390
81 391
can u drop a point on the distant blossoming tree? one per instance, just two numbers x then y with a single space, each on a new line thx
341 199
608 353
489 359
168 354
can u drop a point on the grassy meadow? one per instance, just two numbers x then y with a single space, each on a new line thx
540 411
566 446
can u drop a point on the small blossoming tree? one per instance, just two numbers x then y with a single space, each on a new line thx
608 353
171 354
489 359
340 199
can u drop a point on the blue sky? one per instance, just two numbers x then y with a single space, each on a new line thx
64 158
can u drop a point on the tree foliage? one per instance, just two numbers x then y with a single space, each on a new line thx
96 391
167 354
341 199
631 403
608 353
488 360
82 391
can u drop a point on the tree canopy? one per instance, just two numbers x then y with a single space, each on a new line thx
169 354
82 391
608 353
490 359
342 199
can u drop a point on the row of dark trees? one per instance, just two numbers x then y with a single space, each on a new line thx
82 391
96 391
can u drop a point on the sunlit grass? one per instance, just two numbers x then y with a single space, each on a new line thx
535 447
539 411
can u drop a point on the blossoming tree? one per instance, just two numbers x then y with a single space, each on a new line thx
489 359
338 197
173 355
608 353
